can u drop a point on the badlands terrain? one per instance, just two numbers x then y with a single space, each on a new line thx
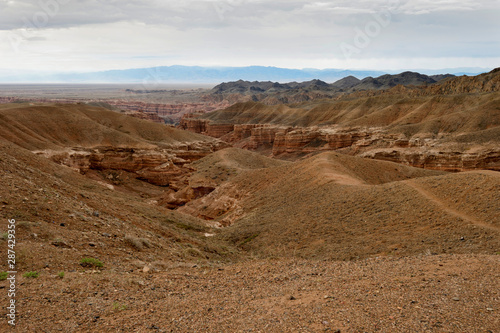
369 211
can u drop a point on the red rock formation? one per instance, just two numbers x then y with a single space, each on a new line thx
189 122
307 140
264 136
440 160
243 131
173 111
218 130
156 166
147 116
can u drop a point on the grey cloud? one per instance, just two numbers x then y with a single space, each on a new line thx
211 14
36 39
235 29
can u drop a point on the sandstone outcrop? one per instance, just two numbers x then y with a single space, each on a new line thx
189 122
163 167
376 143
452 161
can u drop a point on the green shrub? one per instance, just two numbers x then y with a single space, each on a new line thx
91 262
60 275
31 275
119 307
3 276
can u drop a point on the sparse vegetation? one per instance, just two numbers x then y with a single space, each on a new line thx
91 262
193 252
31 275
3 276
137 243
23 225
249 239
185 226
5 235
60 275
119 307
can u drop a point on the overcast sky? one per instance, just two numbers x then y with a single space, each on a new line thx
90 35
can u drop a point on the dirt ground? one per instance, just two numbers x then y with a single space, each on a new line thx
427 293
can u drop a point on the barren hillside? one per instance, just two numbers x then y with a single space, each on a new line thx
195 237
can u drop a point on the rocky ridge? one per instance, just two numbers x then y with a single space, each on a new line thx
274 93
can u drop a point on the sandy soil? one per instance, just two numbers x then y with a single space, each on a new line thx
445 293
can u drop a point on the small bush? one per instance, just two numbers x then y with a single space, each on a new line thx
31 275
137 243
249 239
119 307
5 235
189 227
60 275
193 252
91 262
3 276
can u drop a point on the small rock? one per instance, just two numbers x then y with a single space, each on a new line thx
456 299
490 309
62 224
91 244
292 298
146 269
96 213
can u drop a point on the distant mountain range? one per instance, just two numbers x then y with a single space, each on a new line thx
196 74
346 84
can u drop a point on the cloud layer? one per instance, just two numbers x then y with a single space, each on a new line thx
101 34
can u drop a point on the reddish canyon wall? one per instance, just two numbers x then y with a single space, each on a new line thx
162 167
367 142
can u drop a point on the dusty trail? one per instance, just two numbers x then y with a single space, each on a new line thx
446 207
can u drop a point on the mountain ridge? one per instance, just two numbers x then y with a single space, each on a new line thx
198 74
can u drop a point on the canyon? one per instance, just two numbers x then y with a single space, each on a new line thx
450 126
210 233
292 142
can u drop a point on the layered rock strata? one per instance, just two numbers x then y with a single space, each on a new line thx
163 167
452 161
374 143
